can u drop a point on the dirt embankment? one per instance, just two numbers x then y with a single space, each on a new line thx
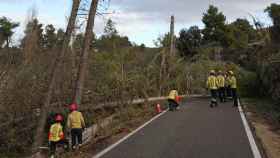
265 127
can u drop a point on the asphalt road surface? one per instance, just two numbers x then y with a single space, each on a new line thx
195 131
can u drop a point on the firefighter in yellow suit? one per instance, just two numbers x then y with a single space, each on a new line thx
227 85
172 101
221 86
211 84
56 136
233 87
76 124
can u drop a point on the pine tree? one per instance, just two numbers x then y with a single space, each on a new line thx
215 26
50 37
6 30
110 29
274 12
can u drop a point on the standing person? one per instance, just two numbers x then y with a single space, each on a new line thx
172 100
227 86
211 84
76 124
233 86
56 136
221 86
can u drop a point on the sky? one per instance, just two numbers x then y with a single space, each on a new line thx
143 21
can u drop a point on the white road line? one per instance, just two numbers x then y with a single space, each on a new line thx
99 155
250 136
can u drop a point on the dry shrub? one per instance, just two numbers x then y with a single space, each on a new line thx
23 95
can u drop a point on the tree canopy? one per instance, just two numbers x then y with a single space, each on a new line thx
50 36
274 13
215 25
110 29
6 30
189 40
111 39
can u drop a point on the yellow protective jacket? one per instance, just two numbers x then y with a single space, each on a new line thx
220 81
232 82
56 133
75 120
173 94
227 81
212 83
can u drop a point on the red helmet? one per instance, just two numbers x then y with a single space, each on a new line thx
58 118
73 107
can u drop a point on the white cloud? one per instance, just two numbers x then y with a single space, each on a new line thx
153 16
144 20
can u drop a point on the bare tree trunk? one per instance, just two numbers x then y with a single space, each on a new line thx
39 138
169 57
162 71
7 42
172 39
30 46
85 53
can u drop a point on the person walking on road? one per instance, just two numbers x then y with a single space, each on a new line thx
56 136
76 124
172 100
233 87
227 86
221 86
211 84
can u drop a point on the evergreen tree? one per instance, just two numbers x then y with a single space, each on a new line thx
110 29
50 37
6 30
215 26
59 37
274 13
189 40
111 39
240 33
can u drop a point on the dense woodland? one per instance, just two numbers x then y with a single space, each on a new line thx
120 70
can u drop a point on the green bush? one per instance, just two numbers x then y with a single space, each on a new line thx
269 75
248 84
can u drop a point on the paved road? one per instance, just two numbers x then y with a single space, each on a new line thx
196 131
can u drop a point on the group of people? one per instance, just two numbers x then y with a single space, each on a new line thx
222 85
75 125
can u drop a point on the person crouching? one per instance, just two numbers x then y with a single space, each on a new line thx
172 100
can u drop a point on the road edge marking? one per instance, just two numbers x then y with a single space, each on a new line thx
111 147
253 145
